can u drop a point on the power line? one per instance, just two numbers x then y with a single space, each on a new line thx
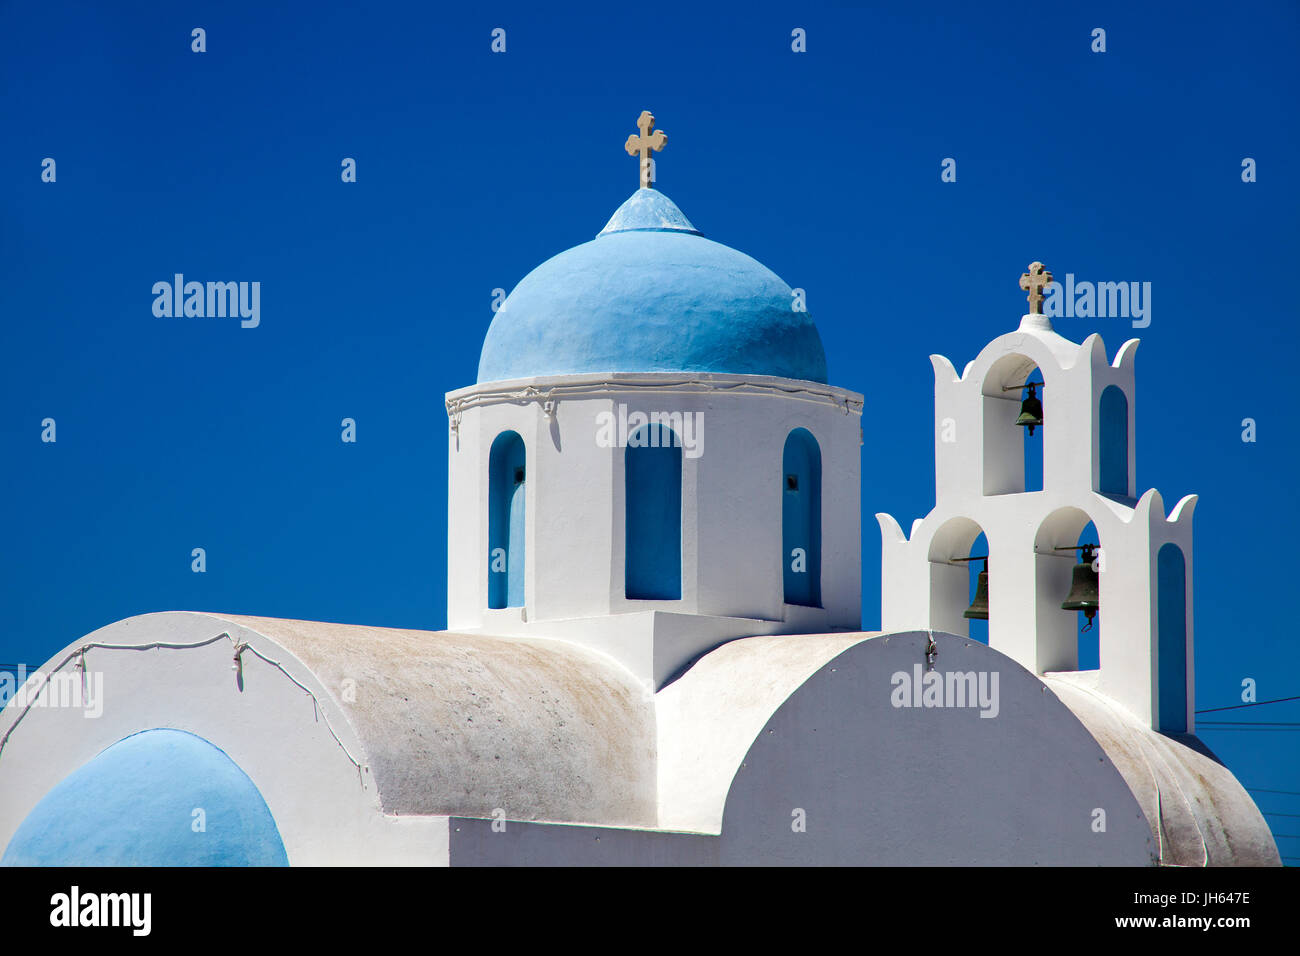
1258 703
1289 793
1262 727
1265 725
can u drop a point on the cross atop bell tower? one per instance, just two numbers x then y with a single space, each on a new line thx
644 143
1034 282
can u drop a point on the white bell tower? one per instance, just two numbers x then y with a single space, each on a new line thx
1088 475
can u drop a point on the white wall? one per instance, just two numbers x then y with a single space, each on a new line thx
979 477
326 811
731 504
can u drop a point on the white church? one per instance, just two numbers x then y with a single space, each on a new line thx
654 652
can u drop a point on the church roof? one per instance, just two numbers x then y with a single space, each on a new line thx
463 724
444 724
651 294
1205 817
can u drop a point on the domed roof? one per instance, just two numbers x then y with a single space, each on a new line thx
650 294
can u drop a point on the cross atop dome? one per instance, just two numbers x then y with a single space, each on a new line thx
644 143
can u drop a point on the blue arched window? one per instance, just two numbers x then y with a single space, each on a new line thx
1171 597
1113 420
134 803
1034 445
506 490
801 519
652 466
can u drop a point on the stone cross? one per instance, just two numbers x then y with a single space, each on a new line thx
1033 282
644 143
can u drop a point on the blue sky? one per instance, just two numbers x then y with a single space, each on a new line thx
473 167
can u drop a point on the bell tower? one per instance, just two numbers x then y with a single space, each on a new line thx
1083 413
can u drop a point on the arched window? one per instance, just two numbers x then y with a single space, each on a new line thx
1062 644
1171 598
1013 457
954 580
131 806
977 628
652 465
1089 639
1113 420
801 519
506 490
1034 444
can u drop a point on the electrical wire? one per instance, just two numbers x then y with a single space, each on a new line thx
825 395
1257 703
80 651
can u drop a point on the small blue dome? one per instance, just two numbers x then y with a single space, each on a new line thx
650 294
135 805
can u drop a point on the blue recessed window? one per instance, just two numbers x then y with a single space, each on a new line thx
653 486
1113 420
161 797
801 519
1171 597
507 476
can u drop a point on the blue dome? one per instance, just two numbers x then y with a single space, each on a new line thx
650 294
134 805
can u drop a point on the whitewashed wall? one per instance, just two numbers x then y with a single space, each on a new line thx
732 581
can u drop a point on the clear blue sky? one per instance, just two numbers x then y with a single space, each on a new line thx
473 167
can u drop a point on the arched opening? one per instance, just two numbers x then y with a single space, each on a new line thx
1112 418
506 502
978 626
652 465
1013 444
1033 441
136 803
954 581
1089 640
801 518
1063 645
1171 603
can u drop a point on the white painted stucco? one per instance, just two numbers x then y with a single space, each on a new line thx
327 810
731 512
450 729
979 487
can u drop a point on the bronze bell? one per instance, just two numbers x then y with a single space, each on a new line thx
979 608
1085 588
1031 409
